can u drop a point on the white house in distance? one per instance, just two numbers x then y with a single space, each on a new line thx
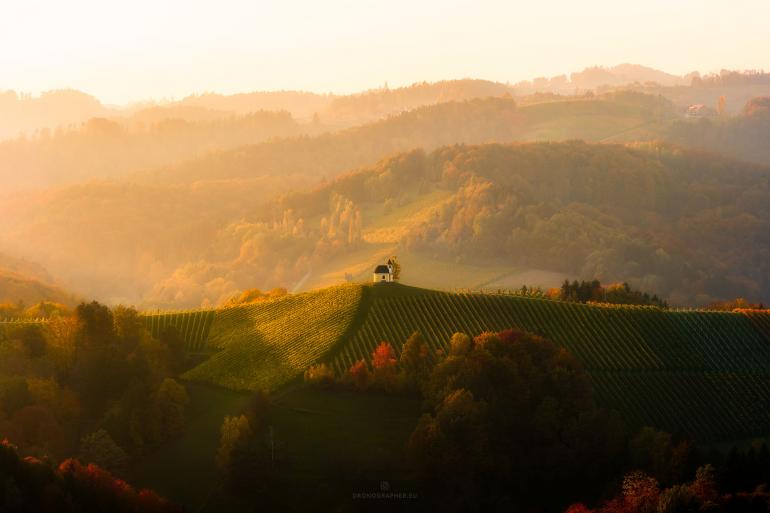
383 273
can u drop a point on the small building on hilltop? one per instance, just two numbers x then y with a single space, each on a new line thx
383 273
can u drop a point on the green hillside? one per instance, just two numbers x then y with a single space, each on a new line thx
703 374
265 345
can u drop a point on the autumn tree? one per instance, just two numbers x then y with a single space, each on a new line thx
513 420
319 374
234 430
722 105
385 366
33 341
246 449
415 361
640 492
172 399
100 449
460 344
396 268
359 375
94 325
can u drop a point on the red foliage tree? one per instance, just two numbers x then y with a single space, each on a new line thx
359 375
383 356
385 366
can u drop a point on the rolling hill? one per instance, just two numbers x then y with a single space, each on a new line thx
212 196
27 283
473 121
492 214
700 373
194 233
102 148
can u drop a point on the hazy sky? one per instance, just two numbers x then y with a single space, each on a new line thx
137 49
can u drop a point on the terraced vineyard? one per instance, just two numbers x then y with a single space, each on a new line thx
705 374
193 326
262 346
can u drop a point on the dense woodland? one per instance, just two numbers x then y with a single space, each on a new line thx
512 425
92 385
611 212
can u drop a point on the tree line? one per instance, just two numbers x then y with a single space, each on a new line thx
93 387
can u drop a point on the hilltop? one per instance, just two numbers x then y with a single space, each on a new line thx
698 373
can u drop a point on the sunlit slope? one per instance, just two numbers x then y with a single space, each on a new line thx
262 346
704 374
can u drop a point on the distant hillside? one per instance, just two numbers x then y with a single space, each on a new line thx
115 241
691 226
623 74
495 212
28 283
702 374
736 87
376 104
745 135
21 112
472 121
15 288
300 104
103 148
598 78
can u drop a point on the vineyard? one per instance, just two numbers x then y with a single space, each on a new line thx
193 326
261 346
705 374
